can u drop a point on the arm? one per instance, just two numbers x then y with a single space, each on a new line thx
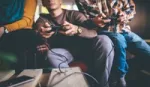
80 20
28 17
129 9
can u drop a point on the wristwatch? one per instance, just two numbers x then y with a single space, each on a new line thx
79 30
5 30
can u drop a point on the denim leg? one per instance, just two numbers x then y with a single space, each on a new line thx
120 66
138 47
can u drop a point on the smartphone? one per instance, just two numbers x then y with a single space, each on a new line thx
16 81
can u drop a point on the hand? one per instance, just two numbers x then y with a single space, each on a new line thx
101 21
1 31
45 31
122 18
69 29
42 48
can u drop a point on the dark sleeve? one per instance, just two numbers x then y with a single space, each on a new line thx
80 20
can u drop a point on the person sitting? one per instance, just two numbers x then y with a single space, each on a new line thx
16 34
112 18
73 40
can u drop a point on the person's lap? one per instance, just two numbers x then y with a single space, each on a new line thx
138 47
97 53
20 43
74 48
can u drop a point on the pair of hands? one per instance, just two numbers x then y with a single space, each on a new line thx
101 21
68 29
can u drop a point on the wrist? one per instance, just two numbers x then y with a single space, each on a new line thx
79 30
5 30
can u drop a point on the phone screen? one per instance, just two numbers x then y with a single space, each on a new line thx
16 81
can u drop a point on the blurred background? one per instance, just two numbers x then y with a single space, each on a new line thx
140 24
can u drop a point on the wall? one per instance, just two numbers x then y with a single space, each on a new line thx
141 23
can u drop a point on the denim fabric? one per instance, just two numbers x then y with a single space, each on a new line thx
120 46
134 44
138 47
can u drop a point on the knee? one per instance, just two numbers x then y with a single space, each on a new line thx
120 41
104 41
119 37
103 44
57 53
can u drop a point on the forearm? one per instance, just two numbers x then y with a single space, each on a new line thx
88 33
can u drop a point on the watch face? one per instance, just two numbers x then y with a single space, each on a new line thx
79 31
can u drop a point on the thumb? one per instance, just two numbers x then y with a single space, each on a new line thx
65 23
102 15
47 24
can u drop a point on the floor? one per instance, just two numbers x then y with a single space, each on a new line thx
139 79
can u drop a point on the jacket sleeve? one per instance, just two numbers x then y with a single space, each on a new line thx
27 19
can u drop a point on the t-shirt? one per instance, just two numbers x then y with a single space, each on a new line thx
73 17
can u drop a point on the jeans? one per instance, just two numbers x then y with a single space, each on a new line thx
137 46
134 44
97 53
